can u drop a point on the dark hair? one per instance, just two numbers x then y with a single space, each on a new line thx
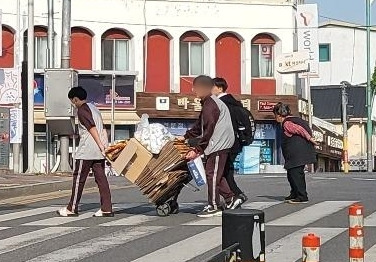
78 92
221 83
281 109
205 81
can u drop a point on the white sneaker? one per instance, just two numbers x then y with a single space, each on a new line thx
64 212
100 213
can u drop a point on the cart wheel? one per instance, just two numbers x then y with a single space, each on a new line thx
174 206
163 210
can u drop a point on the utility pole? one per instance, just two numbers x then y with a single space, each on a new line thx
30 86
65 63
51 64
344 84
369 91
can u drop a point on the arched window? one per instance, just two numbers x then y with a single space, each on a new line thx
115 50
263 56
40 47
7 56
192 54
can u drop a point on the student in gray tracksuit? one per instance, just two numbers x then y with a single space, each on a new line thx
216 138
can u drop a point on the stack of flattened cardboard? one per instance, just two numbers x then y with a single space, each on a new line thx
165 174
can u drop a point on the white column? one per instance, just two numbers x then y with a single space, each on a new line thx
211 59
175 60
247 63
137 60
97 54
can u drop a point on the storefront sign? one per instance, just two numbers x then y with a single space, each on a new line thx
295 62
307 23
335 142
265 131
266 106
99 89
184 102
318 136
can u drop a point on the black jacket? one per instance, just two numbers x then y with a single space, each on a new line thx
297 150
231 103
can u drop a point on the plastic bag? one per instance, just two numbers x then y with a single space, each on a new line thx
152 136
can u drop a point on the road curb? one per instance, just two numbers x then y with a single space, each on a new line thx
40 188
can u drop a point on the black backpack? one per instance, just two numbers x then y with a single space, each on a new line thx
244 125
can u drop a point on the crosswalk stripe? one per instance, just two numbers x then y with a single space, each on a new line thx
97 245
289 248
132 220
217 221
311 214
370 255
27 213
186 249
57 221
370 221
27 239
260 205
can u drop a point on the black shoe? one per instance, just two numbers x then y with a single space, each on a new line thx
290 197
298 201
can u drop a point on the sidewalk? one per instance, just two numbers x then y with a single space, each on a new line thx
25 185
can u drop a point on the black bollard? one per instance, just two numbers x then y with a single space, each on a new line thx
246 227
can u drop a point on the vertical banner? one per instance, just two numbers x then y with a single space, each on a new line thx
4 138
15 126
308 40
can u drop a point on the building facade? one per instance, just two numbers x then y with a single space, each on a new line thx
166 44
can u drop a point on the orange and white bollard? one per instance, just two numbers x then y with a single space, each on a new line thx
356 233
311 248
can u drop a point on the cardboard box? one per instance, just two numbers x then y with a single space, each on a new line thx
132 160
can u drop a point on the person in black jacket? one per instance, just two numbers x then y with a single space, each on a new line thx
297 149
219 89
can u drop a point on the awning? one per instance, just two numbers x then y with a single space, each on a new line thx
121 117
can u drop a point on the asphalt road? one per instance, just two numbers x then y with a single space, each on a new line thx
32 232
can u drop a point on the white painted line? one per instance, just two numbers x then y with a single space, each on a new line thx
212 221
217 221
186 249
260 205
27 239
370 255
370 221
57 221
274 176
364 179
311 214
132 220
324 178
289 248
97 245
27 213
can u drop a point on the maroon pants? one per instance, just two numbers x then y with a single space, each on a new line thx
217 184
80 175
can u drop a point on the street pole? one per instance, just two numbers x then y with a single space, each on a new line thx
113 97
30 85
308 90
369 91
344 123
65 63
51 64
